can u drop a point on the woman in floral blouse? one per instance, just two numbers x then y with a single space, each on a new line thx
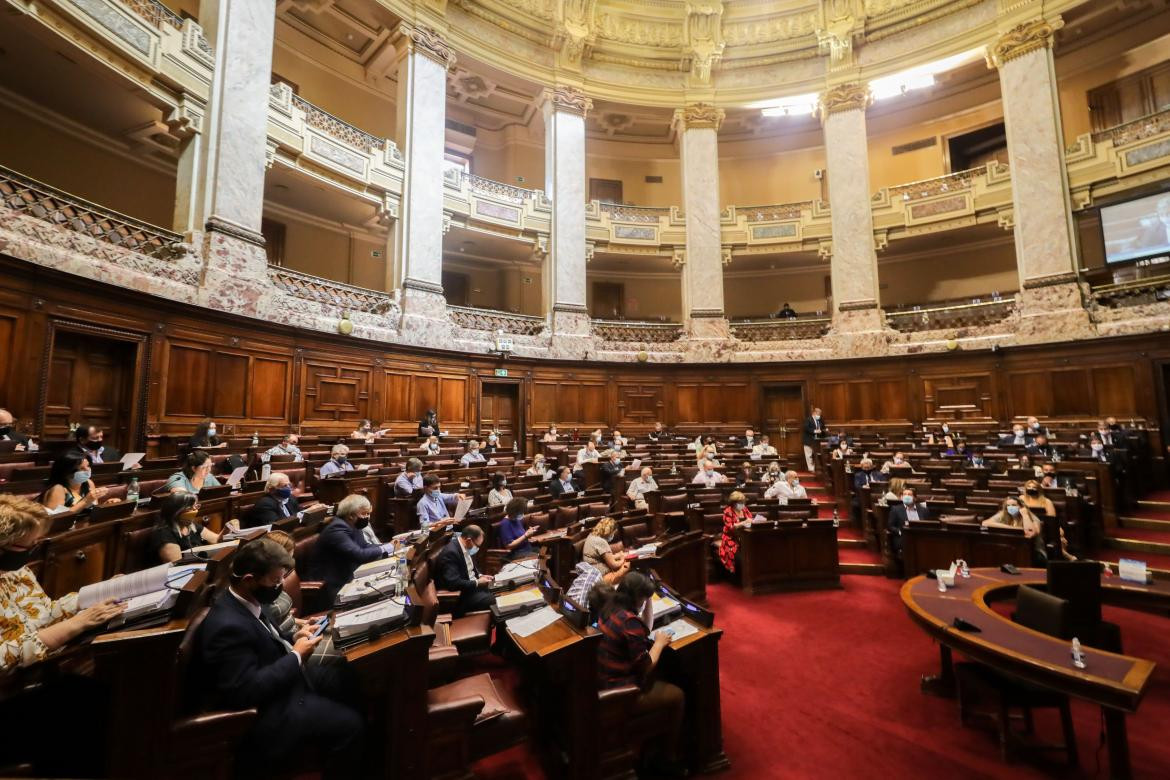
735 515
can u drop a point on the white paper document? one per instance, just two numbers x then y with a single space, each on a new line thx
126 587
517 570
462 508
357 620
246 533
131 459
1131 570
527 625
681 628
662 604
236 476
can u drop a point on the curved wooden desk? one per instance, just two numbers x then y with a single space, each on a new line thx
1116 682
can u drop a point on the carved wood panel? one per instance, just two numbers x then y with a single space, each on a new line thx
958 397
640 403
334 391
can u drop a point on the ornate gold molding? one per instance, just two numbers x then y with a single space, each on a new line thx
698 115
568 99
844 97
1023 39
427 42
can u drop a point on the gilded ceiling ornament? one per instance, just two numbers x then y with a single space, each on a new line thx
699 115
844 97
704 38
568 99
839 21
576 29
1022 39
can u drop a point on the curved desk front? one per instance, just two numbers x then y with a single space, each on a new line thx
1116 682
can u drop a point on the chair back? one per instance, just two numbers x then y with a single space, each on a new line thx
1041 612
1079 583
137 553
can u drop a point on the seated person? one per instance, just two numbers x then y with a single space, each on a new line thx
744 476
1012 514
1105 433
764 448
640 486
539 468
435 506
90 442
1034 499
1095 449
898 459
586 577
367 432
617 441
975 458
455 570
1040 448
866 474
513 536
707 475
473 457
282 616
338 463
774 472
588 453
69 489
342 546
748 440
247 663
178 529
288 446
195 475
628 656
277 503
735 515
787 488
842 449
786 313
8 432
707 455
893 492
1025 463
431 446
205 437
598 549
492 445
902 513
1019 437
1048 477
564 484
1035 428
550 434
612 471
659 433
499 495
429 424
410 479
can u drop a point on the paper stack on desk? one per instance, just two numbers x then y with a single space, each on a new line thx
376 567
520 598
359 588
643 551
527 625
517 571
681 629
662 604
355 621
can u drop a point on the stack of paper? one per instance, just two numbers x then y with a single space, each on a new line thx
520 598
518 571
376 567
681 629
147 604
246 533
527 625
363 587
355 621
643 551
210 548
662 604
462 508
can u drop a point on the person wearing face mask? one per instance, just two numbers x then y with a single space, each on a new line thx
1040 448
473 457
898 459
865 474
1104 433
842 450
975 458
195 475
564 484
91 442
282 614
1048 477
539 468
598 550
774 472
8 431
627 655
492 445
787 488
744 476
735 515
588 454
410 479
249 664
342 545
32 628
69 489
205 437
763 448
1035 428
1035 499
499 495
435 506
367 432
1012 514
431 446
906 510
1096 449
658 433
511 533
1018 437
178 528
455 570
707 475
287 448
640 487
277 503
814 431
612 472
429 424
338 463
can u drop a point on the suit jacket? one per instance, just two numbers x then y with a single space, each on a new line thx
451 569
557 491
109 454
809 436
340 549
267 511
874 476
1045 450
609 473
1010 439
896 520
742 441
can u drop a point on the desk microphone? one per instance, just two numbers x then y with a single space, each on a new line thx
379 591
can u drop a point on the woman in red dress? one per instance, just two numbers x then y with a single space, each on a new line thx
735 515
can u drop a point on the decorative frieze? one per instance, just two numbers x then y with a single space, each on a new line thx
636 332
698 115
429 43
781 330
966 315
345 297
852 96
1022 39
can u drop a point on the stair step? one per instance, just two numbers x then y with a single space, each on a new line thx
1147 502
872 569
1136 545
853 544
1147 523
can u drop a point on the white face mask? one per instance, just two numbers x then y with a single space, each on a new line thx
211 430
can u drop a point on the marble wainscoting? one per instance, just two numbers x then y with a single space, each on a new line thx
1128 320
1051 312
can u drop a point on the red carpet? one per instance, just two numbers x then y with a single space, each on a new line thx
857 555
1143 534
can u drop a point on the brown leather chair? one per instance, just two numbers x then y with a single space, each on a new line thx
595 509
470 634
7 469
135 552
671 515
469 719
564 516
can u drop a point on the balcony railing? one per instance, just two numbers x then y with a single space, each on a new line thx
496 321
963 315
774 212
1156 289
637 332
345 297
29 196
951 182
781 330
335 127
498 188
1137 130
155 12
622 213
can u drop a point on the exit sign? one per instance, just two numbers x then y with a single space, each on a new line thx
501 372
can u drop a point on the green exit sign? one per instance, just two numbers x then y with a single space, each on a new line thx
501 372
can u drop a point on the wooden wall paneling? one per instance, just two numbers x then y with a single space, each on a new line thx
453 402
268 388
544 404
1072 393
335 391
960 396
594 412
1115 392
396 397
186 380
688 404
229 386
895 398
638 403
424 395
832 398
10 333
1028 392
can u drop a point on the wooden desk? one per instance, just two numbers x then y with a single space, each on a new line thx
693 665
1116 682
680 560
936 547
787 556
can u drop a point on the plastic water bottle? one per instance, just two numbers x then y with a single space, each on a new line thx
1078 658
836 518
132 490
942 586
255 438
265 471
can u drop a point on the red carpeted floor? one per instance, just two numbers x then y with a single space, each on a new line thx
824 684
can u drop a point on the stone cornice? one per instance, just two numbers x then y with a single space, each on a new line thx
1023 39
427 42
568 99
698 115
220 225
851 96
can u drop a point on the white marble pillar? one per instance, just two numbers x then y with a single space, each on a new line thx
853 270
231 159
564 111
698 127
1045 236
421 115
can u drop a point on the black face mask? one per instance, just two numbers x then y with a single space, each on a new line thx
362 522
341 459
93 445
11 560
5 430
266 594
1032 492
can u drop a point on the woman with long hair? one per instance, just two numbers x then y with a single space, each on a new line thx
69 490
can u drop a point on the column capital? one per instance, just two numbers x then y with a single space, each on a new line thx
568 99
850 96
698 115
1022 39
419 39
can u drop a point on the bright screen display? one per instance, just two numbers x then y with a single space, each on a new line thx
1139 228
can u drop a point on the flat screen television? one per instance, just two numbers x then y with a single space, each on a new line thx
1137 228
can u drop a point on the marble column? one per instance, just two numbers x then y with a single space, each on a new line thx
421 115
853 269
232 157
1045 236
564 111
698 127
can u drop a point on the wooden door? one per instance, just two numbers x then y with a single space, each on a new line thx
608 301
90 382
605 190
783 417
499 410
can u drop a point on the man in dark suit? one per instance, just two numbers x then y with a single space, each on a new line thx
865 474
242 661
8 431
277 503
748 439
612 471
902 513
91 444
814 430
342 546
659 433
1018 437
1040 448
455 570
563 483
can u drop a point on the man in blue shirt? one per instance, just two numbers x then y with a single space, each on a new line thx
338 461
473 456
409 480
435 506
